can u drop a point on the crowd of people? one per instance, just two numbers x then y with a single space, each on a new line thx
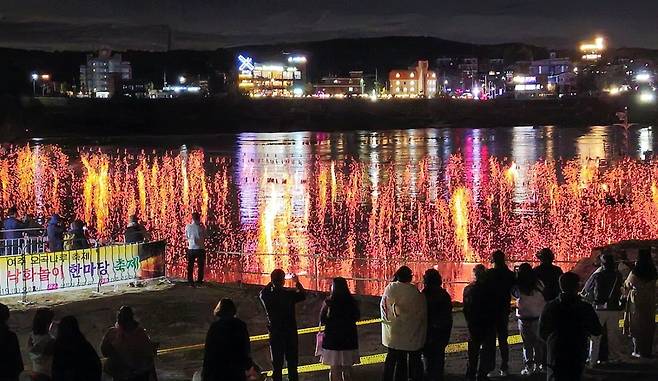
18 232
560 325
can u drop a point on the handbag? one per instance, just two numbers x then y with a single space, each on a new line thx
319 338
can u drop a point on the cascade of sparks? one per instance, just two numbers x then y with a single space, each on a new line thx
360 225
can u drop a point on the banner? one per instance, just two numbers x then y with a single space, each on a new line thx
80 268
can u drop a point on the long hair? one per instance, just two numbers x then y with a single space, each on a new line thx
645 269
42 320
68 331
340 291
526 279
432 279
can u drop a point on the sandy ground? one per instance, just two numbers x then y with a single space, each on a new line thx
177 316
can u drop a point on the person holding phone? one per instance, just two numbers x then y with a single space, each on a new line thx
279 303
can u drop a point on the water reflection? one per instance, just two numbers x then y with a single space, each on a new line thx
355 204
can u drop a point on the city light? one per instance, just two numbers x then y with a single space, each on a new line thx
182 79
45 77
298 92
297 60
35 76
647 97
524 79
643 77
246 63
596 46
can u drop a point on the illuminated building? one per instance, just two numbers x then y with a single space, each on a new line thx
272 79
556 73
592 51
526 86
101 76
352 85
416 82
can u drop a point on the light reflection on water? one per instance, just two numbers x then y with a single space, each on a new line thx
438 195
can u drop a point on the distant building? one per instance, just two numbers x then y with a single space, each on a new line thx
557 73
418 81
102 75
592 51
352 85
276 79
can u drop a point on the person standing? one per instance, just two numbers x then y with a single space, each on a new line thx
55 233
136 232
439 325
404 327
479 312
195 233
227 351
566 323
340 344
130 351
604 288
12 232
548 274
530 304
41 345
78 236
279 303
639 318
11 362
74 359
501 279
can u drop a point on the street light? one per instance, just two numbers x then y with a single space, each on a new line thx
35 76
181 79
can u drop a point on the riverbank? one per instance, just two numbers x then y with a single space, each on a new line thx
70 117
177 317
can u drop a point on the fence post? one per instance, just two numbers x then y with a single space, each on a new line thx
24 300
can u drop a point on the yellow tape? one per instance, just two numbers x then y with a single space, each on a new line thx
452 348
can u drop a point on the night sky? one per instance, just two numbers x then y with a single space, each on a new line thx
209 24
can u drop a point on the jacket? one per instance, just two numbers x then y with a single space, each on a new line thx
11 361
339 318
76 361
279 303
566 325
135 233
11 223
549 275
55 234
531 305
130 352
479 309
404 317
439 316
603 289
227 351
501 280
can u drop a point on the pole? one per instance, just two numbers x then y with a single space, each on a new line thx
24 300
34 87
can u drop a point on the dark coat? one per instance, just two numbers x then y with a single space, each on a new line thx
339 318
76 361
439 317
501 280
227 351
279 304
479 309
550 277
11 362
566 325
604 289
55 235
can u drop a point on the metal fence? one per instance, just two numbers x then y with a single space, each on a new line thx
366 275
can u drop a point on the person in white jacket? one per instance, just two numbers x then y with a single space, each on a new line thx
530 303
404 327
